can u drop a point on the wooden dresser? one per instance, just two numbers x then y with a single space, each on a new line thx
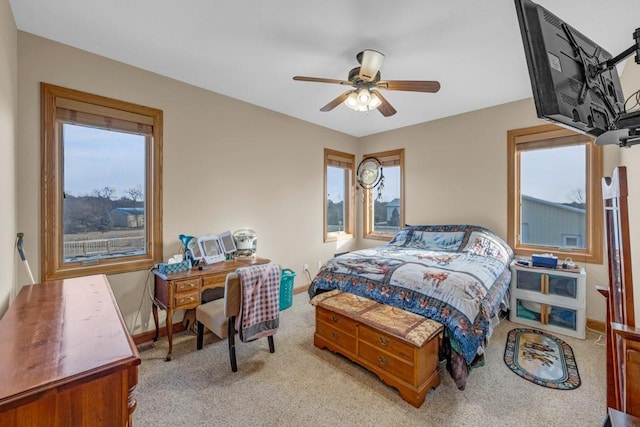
67 358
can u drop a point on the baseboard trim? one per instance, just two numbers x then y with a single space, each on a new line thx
148 336
596 325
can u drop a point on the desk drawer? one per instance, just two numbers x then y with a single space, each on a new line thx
187 299
214 281
186 285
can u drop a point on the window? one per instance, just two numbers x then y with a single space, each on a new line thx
338 195
384 205
101 185
554 200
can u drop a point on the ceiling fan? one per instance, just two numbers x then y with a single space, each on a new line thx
365 79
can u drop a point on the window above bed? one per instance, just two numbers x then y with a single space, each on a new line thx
554 194
384 210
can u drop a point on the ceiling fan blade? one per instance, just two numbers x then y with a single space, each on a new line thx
371 61
410 85
321 80
385 108
339 100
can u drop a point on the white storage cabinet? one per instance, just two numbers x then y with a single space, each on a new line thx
550 299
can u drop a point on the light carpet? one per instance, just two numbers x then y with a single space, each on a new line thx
302 385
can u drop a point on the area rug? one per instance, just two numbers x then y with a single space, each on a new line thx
541 358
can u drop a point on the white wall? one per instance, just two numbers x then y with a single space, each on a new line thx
8 141
227 164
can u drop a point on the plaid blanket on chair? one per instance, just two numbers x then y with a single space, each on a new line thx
259 301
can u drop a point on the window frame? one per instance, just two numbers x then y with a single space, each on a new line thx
386 158
346 161
550 136
51 214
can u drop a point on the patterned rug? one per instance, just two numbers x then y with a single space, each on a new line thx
541 358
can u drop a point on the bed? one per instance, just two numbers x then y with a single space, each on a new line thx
457 275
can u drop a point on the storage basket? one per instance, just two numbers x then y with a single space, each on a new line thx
286 288
165 268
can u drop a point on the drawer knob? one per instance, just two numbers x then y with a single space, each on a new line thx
383 361
335 318
383 340
334 335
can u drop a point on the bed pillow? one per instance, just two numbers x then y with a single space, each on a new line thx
448 241
400 238
489 245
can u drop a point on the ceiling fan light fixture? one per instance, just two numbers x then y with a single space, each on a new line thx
352 100
374 102
364 96
362 100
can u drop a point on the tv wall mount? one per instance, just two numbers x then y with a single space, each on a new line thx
626 127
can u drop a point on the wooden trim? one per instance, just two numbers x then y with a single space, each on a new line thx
51 259
346 161
547 136
596 325
386 158
147 336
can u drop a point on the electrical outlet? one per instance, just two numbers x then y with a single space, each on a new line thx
305 267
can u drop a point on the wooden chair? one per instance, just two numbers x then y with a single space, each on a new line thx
623 338
219 317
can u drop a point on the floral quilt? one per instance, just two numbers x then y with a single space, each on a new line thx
457 275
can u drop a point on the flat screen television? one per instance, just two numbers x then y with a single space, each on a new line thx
570 86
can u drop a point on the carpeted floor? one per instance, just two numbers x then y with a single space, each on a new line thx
302 385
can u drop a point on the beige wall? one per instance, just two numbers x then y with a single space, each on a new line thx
261 159
8 142
456 172
227 164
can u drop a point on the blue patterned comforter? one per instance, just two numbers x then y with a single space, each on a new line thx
457 275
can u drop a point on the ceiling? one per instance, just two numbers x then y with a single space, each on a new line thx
250 50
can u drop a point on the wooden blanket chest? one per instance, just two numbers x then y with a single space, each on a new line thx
401 348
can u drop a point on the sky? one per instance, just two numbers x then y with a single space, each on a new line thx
97 158
553 174
335 184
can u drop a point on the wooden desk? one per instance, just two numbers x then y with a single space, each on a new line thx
183 290
67 359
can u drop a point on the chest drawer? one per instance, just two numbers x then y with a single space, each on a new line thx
336 320
387 343
395 366
337 336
